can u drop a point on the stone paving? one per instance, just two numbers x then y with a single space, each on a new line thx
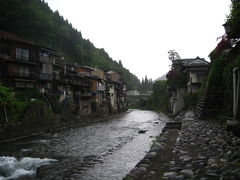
202 150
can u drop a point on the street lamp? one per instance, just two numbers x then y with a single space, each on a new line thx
227 28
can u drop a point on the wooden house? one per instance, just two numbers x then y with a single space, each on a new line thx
98 91
188 76
196 70
78 87
19 62
85 70
116 91
46 70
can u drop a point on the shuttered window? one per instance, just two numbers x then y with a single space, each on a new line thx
22 53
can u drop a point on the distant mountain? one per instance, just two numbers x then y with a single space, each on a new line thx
163 78
35 21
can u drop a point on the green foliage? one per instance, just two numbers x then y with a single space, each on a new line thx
6 95
16 104
228 82
221 76
190 100
28 95
146 85
160 97
176 79
227 73
154 142
141 104
173 55
233 20
215 77
15 110
34 20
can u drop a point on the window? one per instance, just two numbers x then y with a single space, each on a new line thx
43 54
21 84
18 70
47 68
24 71
22 54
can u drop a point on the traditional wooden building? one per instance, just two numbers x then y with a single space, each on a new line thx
19 62
196 71
46 70
79 88
26 65
186 76
99 102
116 91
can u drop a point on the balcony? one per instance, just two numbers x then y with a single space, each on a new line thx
87 84
56 76
101 88
19 74
58 62
26 59
86 94
22 84
77 81
46 59
46 77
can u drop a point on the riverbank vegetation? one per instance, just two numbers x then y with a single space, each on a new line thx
158 100
14 106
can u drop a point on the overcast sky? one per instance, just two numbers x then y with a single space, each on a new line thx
140 32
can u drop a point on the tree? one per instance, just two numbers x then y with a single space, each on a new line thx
35 21
120 63
6 97
173 55
146 85
160 97
233 20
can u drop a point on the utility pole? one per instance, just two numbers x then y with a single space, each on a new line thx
82 50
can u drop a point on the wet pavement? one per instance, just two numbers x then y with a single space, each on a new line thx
105 150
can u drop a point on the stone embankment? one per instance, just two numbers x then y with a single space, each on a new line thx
198 150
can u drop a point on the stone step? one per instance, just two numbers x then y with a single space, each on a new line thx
173 125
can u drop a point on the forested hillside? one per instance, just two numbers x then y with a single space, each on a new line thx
35 21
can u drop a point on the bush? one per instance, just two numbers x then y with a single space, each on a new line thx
28 95
6 95
215 77
16 110
159 99
190 100
176 79
234 19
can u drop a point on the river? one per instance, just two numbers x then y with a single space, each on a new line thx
102 151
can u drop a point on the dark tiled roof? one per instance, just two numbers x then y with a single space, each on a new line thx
187 62
14 37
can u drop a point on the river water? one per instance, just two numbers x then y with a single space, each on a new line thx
102 151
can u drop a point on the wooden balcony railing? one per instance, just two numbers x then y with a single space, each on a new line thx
45 76
30 59
46 59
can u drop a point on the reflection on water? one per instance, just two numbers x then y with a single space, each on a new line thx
106 150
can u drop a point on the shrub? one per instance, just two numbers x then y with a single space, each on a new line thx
190 100
28 95
16 110
215 77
